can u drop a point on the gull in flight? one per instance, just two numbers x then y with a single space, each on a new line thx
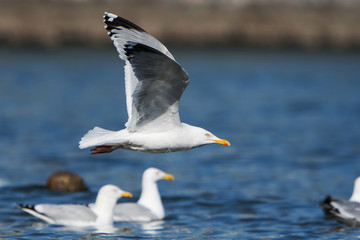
154 83
99 215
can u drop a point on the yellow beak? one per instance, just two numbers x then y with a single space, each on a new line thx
222 142
126 194
168 177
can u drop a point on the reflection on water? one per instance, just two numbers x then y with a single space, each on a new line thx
41 226
152 227
106 229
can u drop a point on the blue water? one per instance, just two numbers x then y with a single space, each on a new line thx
293 120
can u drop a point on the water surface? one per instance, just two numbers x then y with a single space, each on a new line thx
292 119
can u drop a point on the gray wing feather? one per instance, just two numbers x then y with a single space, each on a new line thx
121 31
66 212
344 211
154 81
133 212
162 81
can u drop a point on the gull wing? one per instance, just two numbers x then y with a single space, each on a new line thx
67 214
161 83
154 86
344 211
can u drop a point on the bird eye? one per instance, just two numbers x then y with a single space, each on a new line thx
207 134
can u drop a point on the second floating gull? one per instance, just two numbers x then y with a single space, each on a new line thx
149 207
154 83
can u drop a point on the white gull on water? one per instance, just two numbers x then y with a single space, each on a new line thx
345 211
154 83
99 215
149 207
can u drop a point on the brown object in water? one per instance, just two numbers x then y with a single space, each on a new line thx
65 181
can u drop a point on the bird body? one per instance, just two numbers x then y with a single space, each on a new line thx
62 214
99 214
176 139
134 212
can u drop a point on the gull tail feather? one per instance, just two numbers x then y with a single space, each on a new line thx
31 210
94 137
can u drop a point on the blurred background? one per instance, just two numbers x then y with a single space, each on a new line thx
279 79
303 24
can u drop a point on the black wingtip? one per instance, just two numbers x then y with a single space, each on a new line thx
326 202
26 206
328 208
113 21
327 199
132 48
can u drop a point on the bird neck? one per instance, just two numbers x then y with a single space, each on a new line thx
150 198
356 192
104 210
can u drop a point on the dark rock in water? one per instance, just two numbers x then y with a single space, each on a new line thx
65 181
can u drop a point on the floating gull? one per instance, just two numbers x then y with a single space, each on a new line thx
100 214
154 83
344 211
149 207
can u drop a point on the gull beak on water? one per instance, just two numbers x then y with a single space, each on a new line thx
168 177
222 142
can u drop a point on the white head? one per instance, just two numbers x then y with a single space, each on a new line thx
154 174
200 137
356 192
105 203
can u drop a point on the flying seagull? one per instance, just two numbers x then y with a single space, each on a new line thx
154 83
